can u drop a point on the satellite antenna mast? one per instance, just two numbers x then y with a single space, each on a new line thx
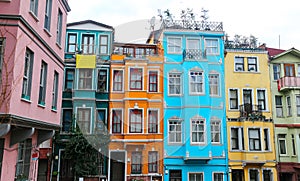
152 25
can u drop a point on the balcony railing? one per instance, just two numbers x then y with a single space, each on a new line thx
288 83
251 111
193 54
192 25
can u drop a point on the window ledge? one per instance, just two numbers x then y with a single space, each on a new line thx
58 45
34 16
26 100
42 105
47 32
247 72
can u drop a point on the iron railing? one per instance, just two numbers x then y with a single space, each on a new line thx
192 25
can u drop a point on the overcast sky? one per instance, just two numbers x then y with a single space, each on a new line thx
274 22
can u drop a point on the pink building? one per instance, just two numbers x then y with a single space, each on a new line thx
31 72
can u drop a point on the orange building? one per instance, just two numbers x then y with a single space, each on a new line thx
136 113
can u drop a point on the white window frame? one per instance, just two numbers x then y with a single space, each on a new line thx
106 80
158 120
256 64
121 121
279 106
265 98
188 175
207 47
27 78
2 45
178 75
213 175
157 83
213 123
34 7
55 91
277 73
240 137
86 79
179 123
105 119
59 27
48 12
135 80
103 44
200 82
298 104
268 139
90 121
193 48
172 47
142 121
257 175
43 83
237 98
285 145
289 112
271 171
236 58
121 82
252 138
217 85
252 98
201 121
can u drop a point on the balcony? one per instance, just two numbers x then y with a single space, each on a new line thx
192 25
193 54
133 50
286 83
88 49
251 111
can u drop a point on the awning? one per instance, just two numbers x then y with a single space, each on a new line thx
44 135
4 129
19 134
197 160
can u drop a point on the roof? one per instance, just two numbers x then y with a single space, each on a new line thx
90 22
272 51
292 51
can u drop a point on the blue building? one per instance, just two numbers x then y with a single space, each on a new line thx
86 91
195 140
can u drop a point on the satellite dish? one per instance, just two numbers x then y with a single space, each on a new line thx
152 21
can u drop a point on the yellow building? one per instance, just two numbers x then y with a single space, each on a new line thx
250 128
136 113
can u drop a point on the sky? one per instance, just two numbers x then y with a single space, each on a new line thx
274 22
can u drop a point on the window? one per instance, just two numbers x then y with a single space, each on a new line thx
195 176
247 96
212 47
215 129
218 176
27 77
174 45
266 139
298 104
298 71
55 91
289 70
214 84
85 78
196 82
118 80
261 99
252 64
116 121
267 175
293 144
34 6
136 78
136 120
43 83
193 51
136 162
153 81
84 119
1 57
237 139
175 175
24 156
254 139
153 121
254 175
2 145
289 106
87 44
198 130
174 84
276 71
239 64
153 162
237 174
278 102
193 44
101 123
103 44
175 131
233 99
71 46
282 143
67 120
48 10
59 27
102 80
69 79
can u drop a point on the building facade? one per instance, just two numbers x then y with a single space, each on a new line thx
31 68
136 113
250 128
195 143
86 91
285 86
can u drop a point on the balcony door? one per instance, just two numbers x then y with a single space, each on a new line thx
88 44
289 70
247 98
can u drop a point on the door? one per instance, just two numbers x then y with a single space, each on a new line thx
65 168
237 175
247 98
117 166
289 70
42 170
175 175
